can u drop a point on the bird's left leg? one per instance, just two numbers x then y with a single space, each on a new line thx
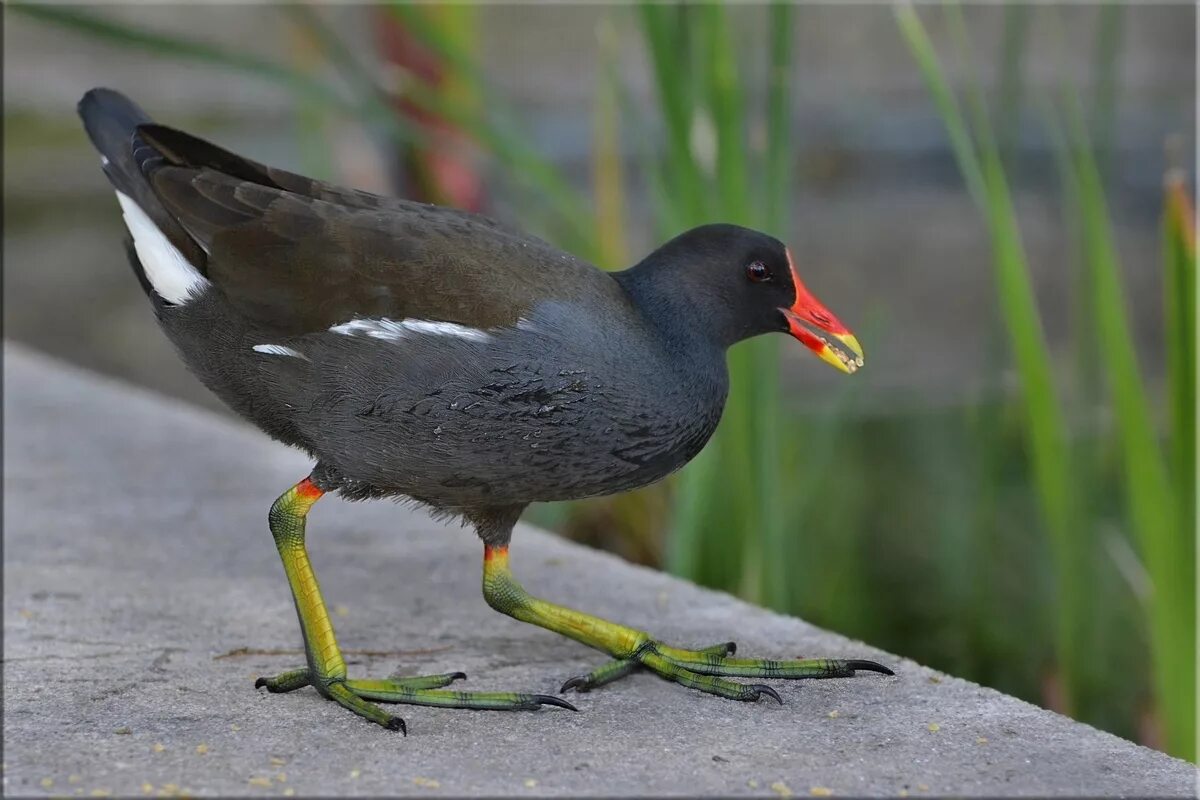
326 668
706 669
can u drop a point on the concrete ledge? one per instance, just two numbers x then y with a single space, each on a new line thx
142 594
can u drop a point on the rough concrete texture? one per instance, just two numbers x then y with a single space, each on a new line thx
142 595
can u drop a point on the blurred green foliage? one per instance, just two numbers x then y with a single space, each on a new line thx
998 540
1151 509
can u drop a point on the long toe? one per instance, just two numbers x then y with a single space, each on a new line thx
869 666
288 681
391 691
605 673
550 700
711 662
762 689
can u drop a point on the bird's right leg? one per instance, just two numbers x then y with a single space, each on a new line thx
707 670
326 669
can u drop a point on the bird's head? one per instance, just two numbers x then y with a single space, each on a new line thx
743 283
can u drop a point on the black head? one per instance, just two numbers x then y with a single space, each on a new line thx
725 283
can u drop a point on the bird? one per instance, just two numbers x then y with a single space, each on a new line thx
437 356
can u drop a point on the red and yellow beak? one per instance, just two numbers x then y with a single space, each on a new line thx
807 317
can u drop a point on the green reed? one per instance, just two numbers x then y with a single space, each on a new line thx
1155 515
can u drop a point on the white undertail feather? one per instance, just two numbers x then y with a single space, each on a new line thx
278 350
172 276
392 330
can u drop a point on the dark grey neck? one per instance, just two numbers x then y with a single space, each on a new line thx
700 383
689 328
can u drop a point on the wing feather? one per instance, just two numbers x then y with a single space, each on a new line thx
299 256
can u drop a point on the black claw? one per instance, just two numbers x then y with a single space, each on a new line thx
579 683
397 724
762 689
869 666
458 676
548 700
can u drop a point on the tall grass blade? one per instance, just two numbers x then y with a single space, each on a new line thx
1179 235
726 109
607 169
743 468
777 170
776 528
524 164
667 32
179 48
704 536
1045 429
1017 17
336 51
1167 551
316 158
1106 67
961 142
669 216
492 126
1179 302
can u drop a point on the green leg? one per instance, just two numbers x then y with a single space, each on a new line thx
705 669
326 669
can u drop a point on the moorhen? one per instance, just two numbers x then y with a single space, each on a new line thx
422 352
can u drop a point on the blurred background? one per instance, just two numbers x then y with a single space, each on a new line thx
997 199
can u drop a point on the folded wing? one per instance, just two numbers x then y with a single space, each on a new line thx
296 255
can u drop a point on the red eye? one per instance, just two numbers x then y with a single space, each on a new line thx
757 272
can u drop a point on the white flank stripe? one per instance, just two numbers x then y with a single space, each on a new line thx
278 350
171 275
445 329
394 331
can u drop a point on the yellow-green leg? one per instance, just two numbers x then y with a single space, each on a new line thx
705 669
326 669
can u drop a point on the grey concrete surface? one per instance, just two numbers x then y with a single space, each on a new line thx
142 595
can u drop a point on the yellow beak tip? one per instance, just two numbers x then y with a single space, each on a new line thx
851 341
831 356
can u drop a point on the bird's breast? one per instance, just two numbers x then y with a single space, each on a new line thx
561 406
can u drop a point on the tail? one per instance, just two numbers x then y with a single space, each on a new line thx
111 120
167 261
